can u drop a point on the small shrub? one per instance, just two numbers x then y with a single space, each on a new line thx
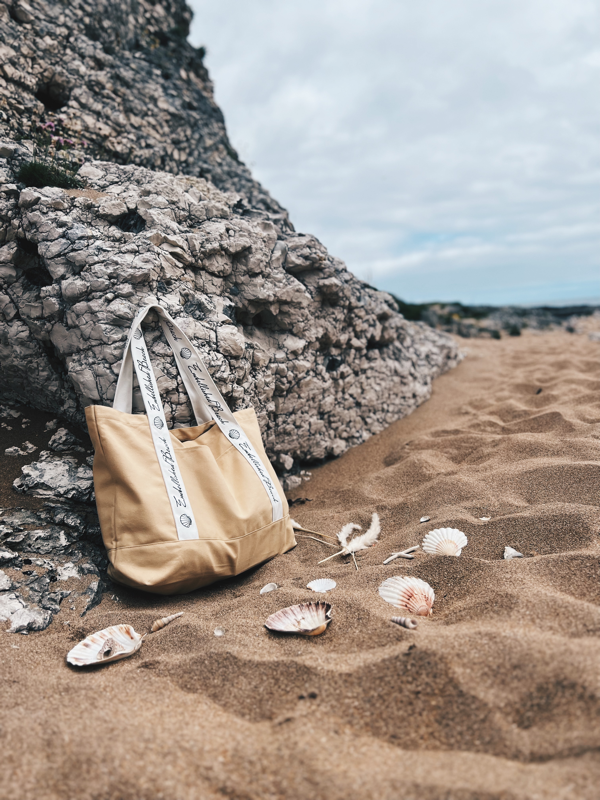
39 174
514 330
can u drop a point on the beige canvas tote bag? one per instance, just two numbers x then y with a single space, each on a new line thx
182 508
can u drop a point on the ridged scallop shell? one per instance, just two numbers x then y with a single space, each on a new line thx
405 622
444 542
110 644
308 619
411 594
321 585
270 587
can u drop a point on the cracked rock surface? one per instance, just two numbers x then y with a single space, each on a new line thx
46 557
325 359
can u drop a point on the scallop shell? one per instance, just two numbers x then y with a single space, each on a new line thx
321 585
510 552
164 621
308 619
110 644
408 593
270 587
444 542
405 622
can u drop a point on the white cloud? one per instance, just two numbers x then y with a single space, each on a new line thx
443 150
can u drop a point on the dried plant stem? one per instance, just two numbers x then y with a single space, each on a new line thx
317 533
354 559
329 557
329 544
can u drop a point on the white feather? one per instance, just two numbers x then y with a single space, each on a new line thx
363 541
345 533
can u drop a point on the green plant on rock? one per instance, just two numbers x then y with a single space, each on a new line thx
37 173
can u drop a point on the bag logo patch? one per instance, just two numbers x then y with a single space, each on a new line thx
234 434
185 520
185 352
158 423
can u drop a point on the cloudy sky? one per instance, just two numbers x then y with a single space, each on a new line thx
445 149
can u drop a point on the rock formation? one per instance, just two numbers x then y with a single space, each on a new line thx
325 359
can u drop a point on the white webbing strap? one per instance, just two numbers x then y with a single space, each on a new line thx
207 403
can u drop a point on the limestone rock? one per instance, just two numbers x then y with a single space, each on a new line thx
325 359
50 548
55 477
24 450
93 596
324 371
63 441
22 618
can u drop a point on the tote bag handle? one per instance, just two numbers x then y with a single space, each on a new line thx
207 403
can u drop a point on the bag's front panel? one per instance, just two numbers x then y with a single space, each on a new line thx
142 513
227 497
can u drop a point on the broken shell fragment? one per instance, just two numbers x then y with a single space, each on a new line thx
424 519
164 621
510 552
444 542
307 619
411 594
270 587
405 622
110 644
321 585
485 519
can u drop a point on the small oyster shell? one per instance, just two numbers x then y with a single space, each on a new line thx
411 594
444 542
270 587
405 622
110 644
510 552
307 619
321 585
164 621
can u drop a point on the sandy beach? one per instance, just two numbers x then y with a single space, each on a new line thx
496 696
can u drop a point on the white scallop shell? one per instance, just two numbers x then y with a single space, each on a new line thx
321 585
308 619
510 552
270 587
405 622
110 644
444 542
408 593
